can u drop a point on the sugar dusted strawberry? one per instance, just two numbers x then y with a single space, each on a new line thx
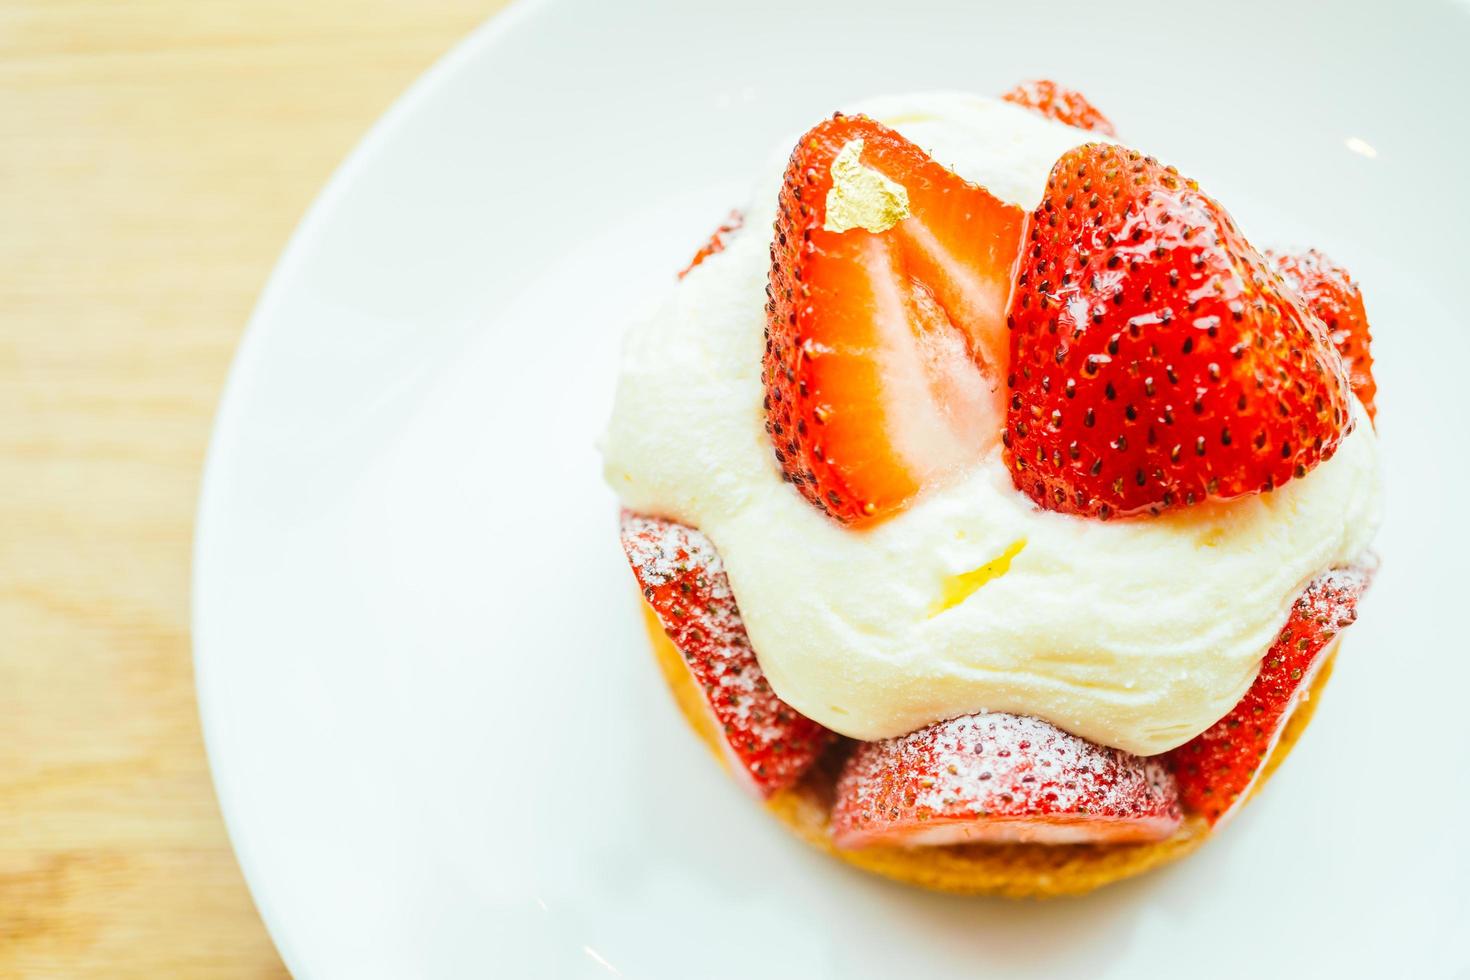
716 242
1000 778
885 338
1217 769
1156 360
768 744
1331 295
1062 104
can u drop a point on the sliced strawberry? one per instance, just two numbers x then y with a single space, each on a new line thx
885 339
716 241
1332 296
1062 104
1156 361
1217 768
1000 778
768 744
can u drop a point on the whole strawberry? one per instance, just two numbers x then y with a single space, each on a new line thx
1156 360
1331 295
1060 103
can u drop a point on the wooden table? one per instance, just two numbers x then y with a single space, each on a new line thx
154 156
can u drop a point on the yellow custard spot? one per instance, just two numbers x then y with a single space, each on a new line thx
958 588
861 197
1212 537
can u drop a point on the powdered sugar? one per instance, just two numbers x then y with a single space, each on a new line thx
661 551
1000 767
685 583
1218 768
1331 599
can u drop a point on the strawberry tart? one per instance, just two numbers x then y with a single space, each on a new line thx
995 502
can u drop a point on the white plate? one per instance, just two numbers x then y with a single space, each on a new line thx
440 743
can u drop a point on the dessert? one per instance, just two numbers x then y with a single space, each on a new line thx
995 502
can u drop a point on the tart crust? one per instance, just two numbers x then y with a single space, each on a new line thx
1011 870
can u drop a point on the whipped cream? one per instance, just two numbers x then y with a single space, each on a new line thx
1137 634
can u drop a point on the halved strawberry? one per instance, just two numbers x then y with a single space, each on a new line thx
716 242
1062 104
1331 295
768 744
885 339
1217 769
1156 360
1000 778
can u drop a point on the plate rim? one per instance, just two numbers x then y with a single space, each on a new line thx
489 33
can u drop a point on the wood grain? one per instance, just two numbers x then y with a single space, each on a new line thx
154 156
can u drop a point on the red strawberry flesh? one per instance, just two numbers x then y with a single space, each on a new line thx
885 345
1156 360
1217 769
1000 778
1062 104
768 744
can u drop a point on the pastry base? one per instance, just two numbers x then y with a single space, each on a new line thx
1011 870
